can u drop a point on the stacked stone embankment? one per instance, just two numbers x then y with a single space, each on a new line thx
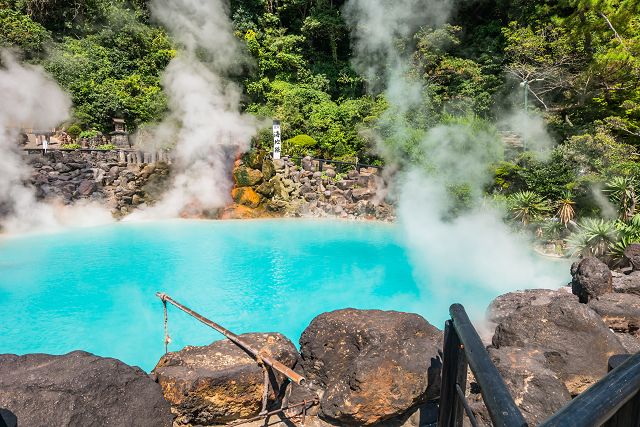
105 177
266 187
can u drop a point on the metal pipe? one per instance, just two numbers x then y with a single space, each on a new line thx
304 403
502 409
602 400
267 360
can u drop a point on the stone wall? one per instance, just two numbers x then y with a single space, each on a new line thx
266 187
124 181
105 177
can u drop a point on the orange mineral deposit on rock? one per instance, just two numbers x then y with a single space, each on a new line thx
246 196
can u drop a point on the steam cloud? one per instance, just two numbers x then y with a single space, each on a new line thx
475 246
205 119
30 98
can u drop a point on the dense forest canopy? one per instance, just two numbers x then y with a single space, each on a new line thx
577 60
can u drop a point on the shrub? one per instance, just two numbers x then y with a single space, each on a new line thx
70 146
527 206
74 131
300 145
89 134
594 237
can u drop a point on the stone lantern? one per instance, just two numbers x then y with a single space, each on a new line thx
120 136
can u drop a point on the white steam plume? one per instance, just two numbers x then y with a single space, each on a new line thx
474 246
205 121
30 98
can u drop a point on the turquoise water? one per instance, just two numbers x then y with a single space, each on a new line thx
93 289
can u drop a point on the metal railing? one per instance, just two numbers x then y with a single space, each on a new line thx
340 166
614 401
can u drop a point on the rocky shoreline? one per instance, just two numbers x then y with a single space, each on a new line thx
262 187
363 367
105 177
282 188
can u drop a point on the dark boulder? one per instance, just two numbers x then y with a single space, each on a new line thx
632 256
535 388
592 278
86 188
575 340
219 383
620 312
505 305
371 364
79 389
626 283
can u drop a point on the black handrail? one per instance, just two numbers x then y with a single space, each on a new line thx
614 401
464 342
602 401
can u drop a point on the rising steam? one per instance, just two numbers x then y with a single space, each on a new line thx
474 246
205 121
30 98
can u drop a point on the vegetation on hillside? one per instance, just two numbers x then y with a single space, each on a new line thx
578 59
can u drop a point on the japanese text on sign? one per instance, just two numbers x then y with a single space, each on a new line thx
277 141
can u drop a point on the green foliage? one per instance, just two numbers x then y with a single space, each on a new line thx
622 191
593 238
114 71
106 147
89 134
74 131
528 207
300 145
73 146
19 31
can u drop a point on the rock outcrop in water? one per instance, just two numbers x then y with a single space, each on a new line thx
79 389
219 383
371 365
265 187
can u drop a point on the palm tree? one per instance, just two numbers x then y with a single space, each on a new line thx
622 190
594 237
527 206
566 211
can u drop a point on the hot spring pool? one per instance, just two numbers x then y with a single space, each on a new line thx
94 289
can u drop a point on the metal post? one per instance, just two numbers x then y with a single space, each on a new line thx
497 398
453 370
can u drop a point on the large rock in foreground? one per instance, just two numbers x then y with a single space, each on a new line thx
219 383
573 338
79 389
503 306
591 278
371 364
535 388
